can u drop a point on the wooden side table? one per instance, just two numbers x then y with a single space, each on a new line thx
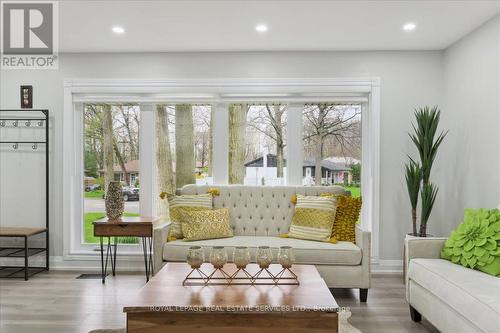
140 227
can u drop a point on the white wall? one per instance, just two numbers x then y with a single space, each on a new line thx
469 168
408 79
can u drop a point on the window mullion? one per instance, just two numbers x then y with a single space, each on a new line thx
220 143
294 149
146 159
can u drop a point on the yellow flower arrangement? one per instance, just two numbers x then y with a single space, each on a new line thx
214 191
165 195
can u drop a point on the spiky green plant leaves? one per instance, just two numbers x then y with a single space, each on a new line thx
423 138
428 194
427 142
476 242
413 175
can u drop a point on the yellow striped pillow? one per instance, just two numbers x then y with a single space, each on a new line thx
181 203
313 218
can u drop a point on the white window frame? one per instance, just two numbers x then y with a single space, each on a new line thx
219 93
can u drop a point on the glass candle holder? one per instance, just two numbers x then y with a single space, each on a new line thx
241 257
195 257
264 256
218 257
286 257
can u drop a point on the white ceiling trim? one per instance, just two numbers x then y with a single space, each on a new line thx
231 90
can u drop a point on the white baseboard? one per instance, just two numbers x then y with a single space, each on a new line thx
387 266
93 263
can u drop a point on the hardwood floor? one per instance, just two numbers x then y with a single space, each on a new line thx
57 302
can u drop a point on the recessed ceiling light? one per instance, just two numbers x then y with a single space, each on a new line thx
118 30
261 28
410 26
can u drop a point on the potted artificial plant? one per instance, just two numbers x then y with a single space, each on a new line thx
417 173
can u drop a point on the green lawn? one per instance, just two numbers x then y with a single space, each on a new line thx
355 191
94 194
89 228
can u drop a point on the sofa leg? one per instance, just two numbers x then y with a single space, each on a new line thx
415 315
363 295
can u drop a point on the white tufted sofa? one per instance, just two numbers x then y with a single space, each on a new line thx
259 214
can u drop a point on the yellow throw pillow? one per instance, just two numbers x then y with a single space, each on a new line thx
206 224
181 203
344 226
313 218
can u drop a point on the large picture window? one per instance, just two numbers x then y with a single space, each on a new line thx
269 132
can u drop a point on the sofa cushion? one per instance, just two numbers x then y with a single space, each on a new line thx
346 217
206 224
306 252
313 218
474 295
181 203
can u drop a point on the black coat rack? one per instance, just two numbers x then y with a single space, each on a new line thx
31 118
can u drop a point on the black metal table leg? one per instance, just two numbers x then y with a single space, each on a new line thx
113 257
25 258
145 252
103 274
109 253
151 268
47 250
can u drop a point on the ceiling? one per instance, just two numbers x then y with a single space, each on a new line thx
163 26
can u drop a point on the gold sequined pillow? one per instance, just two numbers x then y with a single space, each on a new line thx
344 226
182 203
206 224
313 218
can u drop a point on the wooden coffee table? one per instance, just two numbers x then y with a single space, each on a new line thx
164 305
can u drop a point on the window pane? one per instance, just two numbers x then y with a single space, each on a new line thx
111 152
257 139
183 146
332 145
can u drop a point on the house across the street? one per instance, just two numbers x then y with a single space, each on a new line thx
262 170
132 168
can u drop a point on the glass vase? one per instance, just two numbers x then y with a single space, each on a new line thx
195 257
218 257
241 257
264 256
286 257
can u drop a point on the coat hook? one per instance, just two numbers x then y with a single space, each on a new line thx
28 123
15 145
2 123
14 123
34 146
40 123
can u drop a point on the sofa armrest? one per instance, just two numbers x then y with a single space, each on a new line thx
363 240
160 234
429 248
420 247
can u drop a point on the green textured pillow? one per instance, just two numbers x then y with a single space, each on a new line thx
476 242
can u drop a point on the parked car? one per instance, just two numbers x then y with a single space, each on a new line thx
93 187
130 193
